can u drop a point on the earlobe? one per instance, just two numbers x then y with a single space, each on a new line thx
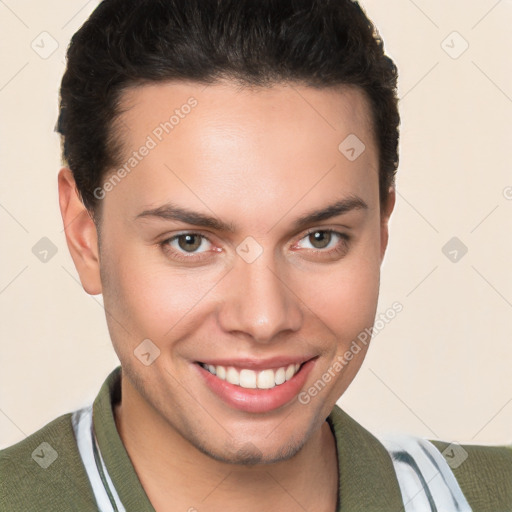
81 234
384 225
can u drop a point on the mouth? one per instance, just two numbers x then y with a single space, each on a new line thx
254 386
251 379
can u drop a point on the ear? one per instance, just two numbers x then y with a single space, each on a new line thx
384 221
81 234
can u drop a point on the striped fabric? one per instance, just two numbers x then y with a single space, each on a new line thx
105 493
425 478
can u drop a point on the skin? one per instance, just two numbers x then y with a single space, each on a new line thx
258 158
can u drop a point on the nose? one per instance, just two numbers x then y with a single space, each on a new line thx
259 302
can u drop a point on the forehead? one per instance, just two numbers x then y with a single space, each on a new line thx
246 109
267 142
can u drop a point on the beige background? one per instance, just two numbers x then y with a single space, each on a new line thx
440 369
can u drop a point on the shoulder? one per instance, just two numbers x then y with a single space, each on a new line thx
429 475
45 472
474 477
484 473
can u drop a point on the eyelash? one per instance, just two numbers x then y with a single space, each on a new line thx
341 248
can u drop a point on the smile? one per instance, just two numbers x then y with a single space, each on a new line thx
250 379
256 386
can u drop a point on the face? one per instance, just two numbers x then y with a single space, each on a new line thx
247 248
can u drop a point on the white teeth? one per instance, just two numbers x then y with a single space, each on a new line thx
290 372
266 379
220 371
280 376
232 376
250 379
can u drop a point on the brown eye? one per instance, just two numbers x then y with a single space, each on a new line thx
189 248
323 245
320 239
189 242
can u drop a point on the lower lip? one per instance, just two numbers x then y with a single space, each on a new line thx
258 400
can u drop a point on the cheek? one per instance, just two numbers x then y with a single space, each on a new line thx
150 298
346 306
344 295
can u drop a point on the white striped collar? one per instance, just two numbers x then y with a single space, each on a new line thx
426 481
104 491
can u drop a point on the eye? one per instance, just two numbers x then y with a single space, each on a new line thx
322 239
189 242
186 245
323 245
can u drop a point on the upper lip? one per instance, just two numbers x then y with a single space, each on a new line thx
258 364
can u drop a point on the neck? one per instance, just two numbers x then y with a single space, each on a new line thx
177 476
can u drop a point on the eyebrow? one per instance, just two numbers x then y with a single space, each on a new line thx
173 212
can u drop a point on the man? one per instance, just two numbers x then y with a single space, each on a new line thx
229 182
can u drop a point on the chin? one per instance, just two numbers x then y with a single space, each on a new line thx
248 454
